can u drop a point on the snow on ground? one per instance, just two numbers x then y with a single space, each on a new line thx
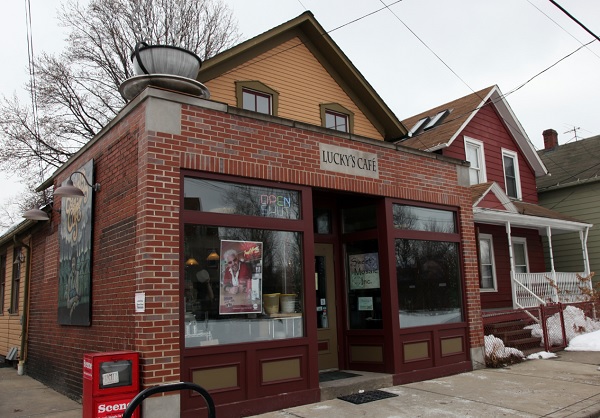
585 342
542 355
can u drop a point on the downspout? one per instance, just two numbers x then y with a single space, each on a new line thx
25 317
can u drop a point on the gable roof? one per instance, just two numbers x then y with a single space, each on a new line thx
571 164
481 190
329 55
462 111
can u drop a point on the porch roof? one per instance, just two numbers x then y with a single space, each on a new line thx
521 214
530 217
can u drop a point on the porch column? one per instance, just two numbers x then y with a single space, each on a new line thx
550 252
512 265
583 235
552 271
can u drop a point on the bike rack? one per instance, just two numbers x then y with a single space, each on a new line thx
170 387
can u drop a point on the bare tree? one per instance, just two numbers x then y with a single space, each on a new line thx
77 91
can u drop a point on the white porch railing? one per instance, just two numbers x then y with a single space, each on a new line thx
534 289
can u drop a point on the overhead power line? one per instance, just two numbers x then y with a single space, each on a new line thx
574 19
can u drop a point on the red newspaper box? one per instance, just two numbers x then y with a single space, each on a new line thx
110 382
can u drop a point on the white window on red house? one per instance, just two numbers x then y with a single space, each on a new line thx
487 266
337 121
511 174
474 155
257 101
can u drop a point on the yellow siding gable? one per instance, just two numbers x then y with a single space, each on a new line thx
301 81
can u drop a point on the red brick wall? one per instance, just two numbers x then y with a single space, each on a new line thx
56 351
136 235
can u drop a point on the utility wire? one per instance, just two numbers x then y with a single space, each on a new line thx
558 24
426 46
574 19
33 85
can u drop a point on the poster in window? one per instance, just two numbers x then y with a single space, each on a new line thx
241 277
364 271
75 249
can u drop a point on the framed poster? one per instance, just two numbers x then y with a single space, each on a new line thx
75 250
240 291
364 271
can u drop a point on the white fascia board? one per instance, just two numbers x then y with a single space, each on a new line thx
517 131
558 226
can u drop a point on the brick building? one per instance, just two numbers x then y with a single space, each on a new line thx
368 246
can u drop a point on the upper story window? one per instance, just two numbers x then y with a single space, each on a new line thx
337 121
512 181
257 97
475 155
256 101
335 116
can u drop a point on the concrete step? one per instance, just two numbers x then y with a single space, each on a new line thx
365 381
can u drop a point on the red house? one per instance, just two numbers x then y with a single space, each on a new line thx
510 226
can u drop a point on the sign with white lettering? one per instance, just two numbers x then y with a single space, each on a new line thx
348 161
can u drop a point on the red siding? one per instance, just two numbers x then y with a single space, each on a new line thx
503 297
488 127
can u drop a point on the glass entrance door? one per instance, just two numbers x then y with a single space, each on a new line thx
326 307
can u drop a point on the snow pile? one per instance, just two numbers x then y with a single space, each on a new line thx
585 342
542 355
576 323
497 352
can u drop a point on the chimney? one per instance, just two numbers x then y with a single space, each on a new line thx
550 139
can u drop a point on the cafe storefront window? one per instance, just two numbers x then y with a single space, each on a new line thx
427 266
241 284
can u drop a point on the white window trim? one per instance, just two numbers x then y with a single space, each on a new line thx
515 157
494 288
521 240
481 152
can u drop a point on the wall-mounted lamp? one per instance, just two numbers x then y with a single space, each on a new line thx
39 214
69 190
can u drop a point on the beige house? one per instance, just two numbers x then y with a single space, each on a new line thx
14 286
573 188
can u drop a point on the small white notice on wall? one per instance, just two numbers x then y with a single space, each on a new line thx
365 304
140 302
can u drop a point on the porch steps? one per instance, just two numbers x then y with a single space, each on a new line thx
513 334
365 381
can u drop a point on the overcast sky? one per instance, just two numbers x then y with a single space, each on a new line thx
417 54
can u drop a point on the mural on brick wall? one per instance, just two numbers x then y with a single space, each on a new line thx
75 246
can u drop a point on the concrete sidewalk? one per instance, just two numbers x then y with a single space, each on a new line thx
22 396
568 386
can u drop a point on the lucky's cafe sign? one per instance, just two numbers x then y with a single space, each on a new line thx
348 161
